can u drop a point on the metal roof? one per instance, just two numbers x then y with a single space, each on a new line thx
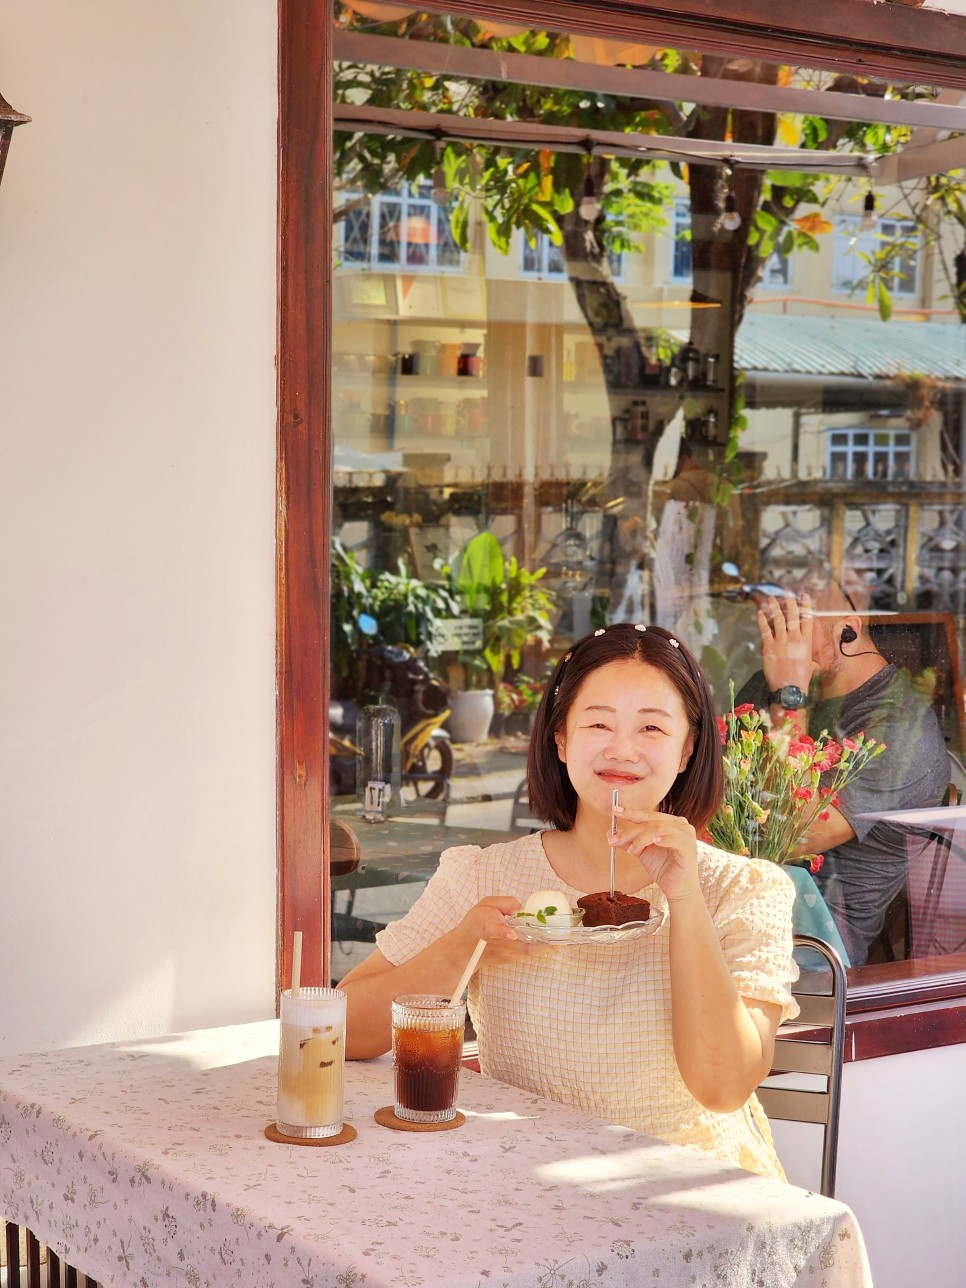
864 347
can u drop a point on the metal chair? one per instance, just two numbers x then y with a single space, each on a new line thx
521 815
819 1051
424 796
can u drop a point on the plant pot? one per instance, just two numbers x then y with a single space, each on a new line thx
470 714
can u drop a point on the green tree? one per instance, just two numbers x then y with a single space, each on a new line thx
539 190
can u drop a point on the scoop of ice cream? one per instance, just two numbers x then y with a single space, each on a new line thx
548 902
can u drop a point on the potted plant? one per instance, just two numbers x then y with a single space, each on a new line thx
472 701
407 609
513 607
383 607
517 700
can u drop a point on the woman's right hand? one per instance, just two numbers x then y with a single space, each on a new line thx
371 986
487 920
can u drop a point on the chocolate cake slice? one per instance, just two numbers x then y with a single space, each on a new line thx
604 909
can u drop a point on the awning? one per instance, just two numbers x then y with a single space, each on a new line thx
865 348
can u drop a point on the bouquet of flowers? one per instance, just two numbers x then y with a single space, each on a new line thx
778 782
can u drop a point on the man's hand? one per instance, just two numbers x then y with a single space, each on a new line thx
786 641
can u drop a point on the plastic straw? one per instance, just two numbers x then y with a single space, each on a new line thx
614 802
470 968
296 962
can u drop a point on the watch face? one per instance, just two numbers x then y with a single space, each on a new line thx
791 696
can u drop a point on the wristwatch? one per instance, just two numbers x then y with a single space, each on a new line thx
789 696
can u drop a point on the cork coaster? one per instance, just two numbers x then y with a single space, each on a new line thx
386 1117
347 1133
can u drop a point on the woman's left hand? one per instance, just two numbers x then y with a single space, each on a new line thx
665 846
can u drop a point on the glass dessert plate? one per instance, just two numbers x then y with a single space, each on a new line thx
531 932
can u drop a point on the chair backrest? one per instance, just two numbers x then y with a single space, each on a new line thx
424 796
936 887
957 779
521 815
818 1050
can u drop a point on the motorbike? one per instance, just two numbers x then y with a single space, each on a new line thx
396 676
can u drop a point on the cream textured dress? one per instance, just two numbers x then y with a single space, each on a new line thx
592 1026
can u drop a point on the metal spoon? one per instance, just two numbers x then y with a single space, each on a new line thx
613 823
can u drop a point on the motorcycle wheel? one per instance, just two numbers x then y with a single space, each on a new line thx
433 766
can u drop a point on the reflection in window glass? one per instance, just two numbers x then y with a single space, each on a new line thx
776 272
632 419
543 258
406 229
893 245
865 453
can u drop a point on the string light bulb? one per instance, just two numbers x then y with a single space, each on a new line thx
589 205
731 219
440 186
868 221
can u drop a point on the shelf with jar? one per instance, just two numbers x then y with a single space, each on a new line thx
466 419
589 364
380 382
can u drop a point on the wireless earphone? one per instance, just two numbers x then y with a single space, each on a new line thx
848 635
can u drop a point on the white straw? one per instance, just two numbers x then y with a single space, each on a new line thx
470 968
614 802
296 962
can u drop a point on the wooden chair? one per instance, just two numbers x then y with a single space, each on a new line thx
345 852
818 1050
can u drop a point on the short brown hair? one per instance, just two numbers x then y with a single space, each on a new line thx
697 790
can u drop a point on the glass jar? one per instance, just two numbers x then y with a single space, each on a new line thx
379 763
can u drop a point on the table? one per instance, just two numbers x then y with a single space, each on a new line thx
145 1164
935 818
406 850
403 850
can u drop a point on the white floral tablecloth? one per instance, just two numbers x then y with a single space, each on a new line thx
144 1164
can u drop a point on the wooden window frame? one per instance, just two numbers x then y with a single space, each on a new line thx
887 40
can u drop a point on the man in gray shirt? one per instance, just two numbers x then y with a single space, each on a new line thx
827 648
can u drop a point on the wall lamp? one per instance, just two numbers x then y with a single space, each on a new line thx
9 119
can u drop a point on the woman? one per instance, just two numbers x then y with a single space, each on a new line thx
669 1033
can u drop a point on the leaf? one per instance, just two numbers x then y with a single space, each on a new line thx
884 300
788 132
813 223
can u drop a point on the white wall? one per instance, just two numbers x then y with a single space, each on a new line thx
137 422
903 1123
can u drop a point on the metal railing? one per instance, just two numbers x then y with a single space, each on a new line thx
30 1264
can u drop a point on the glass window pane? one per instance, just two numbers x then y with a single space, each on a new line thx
648 413
355 239
390 232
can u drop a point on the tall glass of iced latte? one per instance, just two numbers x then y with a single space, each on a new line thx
311 1063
